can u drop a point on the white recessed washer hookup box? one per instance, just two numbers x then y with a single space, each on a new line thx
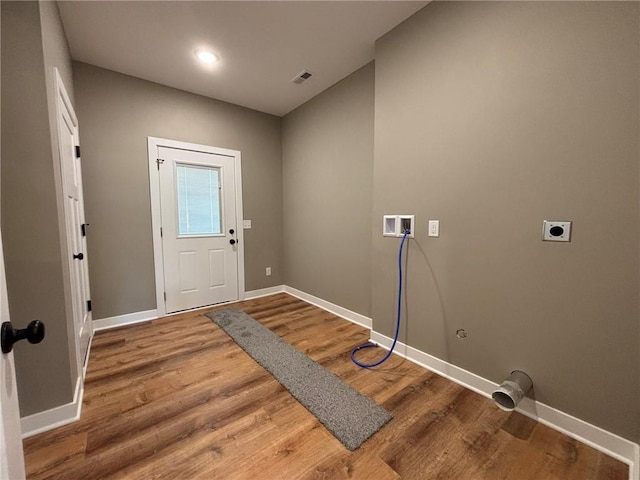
397 225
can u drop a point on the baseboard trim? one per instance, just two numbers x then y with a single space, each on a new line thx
330 307
263 292
121 320
609 443
145 316
56 417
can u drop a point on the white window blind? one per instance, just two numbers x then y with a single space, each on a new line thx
198 191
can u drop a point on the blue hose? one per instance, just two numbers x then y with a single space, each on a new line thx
395 337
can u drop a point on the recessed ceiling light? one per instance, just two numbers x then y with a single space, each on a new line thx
206 56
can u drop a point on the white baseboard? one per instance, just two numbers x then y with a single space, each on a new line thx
85 364
609 443
139 317
331 307
263 292
56 417
127 319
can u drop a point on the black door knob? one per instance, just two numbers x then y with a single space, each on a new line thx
232 241
232 231
34 333
79 256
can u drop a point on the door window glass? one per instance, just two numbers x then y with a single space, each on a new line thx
198 191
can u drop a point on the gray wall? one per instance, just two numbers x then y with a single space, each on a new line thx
492 117
57 55
55 48
30 222
327 175
117 113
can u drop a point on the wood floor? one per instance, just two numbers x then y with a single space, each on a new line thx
176 398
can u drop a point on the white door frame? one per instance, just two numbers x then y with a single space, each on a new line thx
11 451
154 189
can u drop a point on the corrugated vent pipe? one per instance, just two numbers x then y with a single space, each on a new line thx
512 390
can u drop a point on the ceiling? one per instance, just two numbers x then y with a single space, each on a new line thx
262 45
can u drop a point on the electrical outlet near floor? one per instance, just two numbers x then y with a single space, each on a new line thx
267 271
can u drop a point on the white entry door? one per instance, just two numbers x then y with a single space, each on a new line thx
11 454
199 230
68 139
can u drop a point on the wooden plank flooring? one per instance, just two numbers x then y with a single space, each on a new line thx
176 398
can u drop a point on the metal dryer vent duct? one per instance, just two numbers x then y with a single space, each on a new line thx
302 76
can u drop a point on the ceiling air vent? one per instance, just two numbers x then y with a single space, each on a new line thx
301 77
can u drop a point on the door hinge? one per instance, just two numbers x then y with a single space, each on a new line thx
159 161
165 296
77 151
88 305
160 232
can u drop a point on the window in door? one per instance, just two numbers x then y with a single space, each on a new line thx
199 204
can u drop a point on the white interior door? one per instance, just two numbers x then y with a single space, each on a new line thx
199 228
74 219
11 454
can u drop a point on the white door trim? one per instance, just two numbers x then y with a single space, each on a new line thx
11 450
152 147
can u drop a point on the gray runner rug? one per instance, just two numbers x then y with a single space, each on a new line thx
350 416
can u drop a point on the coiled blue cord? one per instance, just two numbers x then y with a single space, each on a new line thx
395 337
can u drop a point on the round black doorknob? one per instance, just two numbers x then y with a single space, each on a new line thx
232 241
34 333
79 256
232 231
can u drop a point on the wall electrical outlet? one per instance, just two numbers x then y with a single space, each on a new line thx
267 271
556 231
246 224
434 228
